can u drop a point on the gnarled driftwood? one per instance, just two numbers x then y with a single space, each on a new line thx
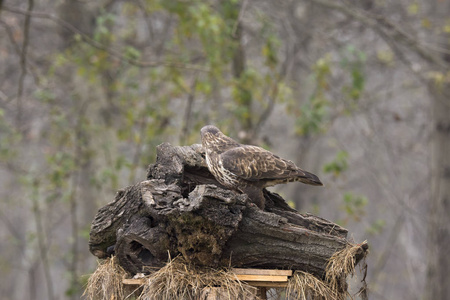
182 209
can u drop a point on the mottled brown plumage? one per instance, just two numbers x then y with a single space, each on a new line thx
247 168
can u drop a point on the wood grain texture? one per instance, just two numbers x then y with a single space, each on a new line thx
182 210
268 272
265 278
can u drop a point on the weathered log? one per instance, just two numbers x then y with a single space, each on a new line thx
182 210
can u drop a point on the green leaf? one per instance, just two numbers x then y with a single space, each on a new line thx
354 205
338 165
132 53
377 227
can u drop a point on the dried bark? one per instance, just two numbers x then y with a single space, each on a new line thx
182 209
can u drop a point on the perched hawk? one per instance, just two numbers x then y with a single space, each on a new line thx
247 168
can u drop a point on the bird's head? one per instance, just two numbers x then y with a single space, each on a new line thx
209 133
213 140
209 130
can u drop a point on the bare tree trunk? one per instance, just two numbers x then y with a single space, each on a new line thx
239 66
438 281
76 13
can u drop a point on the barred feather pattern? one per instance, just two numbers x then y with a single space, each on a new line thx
222 175
248 168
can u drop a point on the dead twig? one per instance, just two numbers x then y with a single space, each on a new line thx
112 52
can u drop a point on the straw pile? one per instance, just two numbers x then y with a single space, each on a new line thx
180 280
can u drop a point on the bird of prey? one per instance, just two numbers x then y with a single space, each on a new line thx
246 168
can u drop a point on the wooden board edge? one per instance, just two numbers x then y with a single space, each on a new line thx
268 278
240 271
268 284
134 281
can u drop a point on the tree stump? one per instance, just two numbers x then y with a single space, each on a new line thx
182 210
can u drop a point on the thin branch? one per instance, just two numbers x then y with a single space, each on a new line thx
73 201
11 37
73 206
143 125
393 35
238 67
188 113
414 43
3 97
31 69
240 17
423 78
40 234
388 247
32 279
163 37
112 52
147 19
269 109
11 228
274 90
23 62
158 46
378 23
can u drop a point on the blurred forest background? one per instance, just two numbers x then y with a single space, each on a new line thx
357 92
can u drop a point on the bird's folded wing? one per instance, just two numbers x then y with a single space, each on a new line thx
254 163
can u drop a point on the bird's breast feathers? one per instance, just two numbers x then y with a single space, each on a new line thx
223 175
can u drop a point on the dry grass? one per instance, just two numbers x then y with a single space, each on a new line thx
304 286
180 280
340 265
106 281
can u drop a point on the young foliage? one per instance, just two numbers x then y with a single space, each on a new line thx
354 206
338 165
313 113
353 62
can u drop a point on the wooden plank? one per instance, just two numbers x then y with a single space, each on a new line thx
268 284
261 272
255 277
271 278
132 281
247 278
